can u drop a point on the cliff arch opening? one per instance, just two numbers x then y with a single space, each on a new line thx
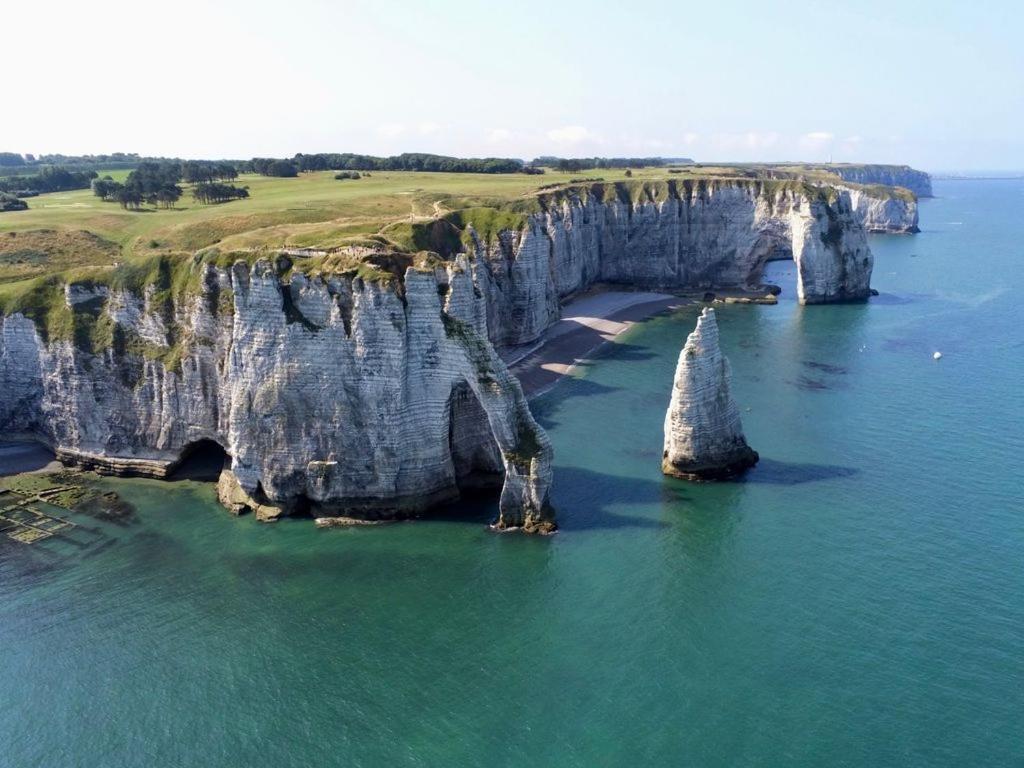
770 247
201 460
476 457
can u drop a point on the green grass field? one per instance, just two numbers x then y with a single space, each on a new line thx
65 230
313 209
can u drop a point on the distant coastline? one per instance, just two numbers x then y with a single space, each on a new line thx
978 175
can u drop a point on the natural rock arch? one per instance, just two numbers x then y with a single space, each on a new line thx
476 458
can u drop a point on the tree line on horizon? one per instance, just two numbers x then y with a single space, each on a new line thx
48 179
28 175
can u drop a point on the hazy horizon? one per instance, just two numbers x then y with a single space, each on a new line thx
934 86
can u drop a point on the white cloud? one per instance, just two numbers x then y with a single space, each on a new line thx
751 140
571 134
499 135
428 128
691 138
850 145
391 129
816 141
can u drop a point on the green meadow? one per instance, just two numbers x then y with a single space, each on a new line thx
66 230
76 229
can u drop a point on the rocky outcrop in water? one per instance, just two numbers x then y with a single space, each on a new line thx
330 394
886 213
692 236
703 434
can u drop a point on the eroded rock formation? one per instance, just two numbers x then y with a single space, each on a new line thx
670 236
703 435
336 394
891 213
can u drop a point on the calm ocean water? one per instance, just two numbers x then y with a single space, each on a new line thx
857 600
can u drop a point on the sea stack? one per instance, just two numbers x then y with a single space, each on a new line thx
703 435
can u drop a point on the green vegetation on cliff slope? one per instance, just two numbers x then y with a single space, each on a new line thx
394 219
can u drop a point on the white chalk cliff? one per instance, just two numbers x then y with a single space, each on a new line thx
703 435
890 214
675 236
333 395
918 182
369 398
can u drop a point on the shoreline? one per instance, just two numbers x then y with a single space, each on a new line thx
589 323
20 454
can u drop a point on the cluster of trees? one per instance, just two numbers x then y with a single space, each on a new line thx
203 171
269 166
11 203
347 175
409 161
47 180
158 184
152 183
215 192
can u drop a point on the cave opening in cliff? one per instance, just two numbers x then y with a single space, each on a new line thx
201 460
474 451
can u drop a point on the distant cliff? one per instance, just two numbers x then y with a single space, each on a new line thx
694 236
918 182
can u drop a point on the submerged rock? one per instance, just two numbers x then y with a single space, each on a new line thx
703 434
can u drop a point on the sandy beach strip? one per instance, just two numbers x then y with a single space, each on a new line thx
586 324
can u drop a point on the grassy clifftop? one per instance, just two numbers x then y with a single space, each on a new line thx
394 219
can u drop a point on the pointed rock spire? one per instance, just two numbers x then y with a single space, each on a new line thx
703 435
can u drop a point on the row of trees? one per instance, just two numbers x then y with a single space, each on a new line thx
13 163
202 171
214 192
47 180
269 166
409 161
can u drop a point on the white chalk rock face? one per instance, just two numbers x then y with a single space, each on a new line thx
677 236
327 394
703 434
891 214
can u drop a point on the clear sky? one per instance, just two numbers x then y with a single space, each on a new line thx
939 85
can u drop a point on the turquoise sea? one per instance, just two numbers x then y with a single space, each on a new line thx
857 600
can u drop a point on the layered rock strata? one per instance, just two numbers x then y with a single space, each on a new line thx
890 214
333 394
703 435
692 236
918 182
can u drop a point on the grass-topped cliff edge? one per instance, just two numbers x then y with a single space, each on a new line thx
371 227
